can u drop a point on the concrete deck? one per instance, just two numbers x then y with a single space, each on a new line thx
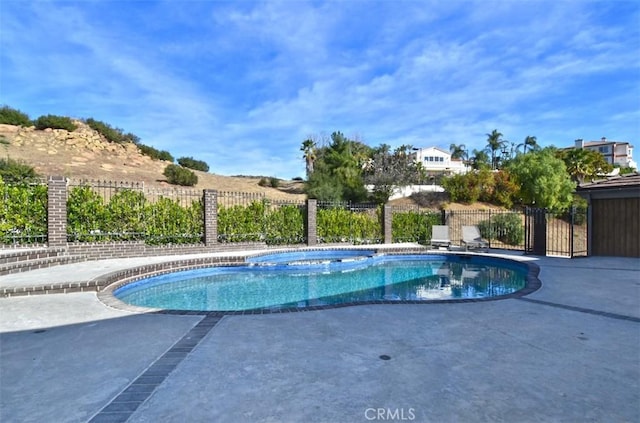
569 352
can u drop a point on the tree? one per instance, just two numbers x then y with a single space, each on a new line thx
530 142
387 171
338 173
309 149
458 151
494 144
583 164
543 180
479 160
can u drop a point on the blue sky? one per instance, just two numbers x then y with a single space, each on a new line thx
241 84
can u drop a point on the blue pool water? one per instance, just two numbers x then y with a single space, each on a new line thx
298 280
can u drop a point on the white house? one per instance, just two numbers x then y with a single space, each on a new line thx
435 159
615 152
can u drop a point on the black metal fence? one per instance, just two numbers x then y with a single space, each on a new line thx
107 211
556 234
124 211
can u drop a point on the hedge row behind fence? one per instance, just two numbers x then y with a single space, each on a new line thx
23 213
127 215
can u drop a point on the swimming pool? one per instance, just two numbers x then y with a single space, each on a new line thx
300 280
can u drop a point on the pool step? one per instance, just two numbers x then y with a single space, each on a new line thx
22 260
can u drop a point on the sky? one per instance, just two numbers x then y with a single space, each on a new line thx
241 84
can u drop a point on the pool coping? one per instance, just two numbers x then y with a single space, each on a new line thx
106 284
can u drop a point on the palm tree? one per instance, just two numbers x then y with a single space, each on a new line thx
529 141
458 151
309 150
494 144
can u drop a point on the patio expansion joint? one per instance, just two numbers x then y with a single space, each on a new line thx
583 310
120 408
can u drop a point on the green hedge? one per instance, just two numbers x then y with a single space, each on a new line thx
258 222
340 224
128 216
413 226
23 213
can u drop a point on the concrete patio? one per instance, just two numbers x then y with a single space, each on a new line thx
569 352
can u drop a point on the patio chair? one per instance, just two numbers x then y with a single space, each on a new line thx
440 236
471 239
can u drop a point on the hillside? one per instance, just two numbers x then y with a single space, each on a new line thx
85 154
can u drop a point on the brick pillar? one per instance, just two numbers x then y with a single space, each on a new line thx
387 220
210 206
57 212
312 224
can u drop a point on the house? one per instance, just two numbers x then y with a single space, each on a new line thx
615 152
437 160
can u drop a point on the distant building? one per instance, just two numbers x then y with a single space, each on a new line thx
437 160
615 152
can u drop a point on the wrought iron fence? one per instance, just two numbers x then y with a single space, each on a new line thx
556 233
503 229
413 224
122 211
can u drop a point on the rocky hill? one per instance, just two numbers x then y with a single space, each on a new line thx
86 154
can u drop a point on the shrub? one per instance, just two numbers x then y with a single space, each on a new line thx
55 122
10 116
462 188
178 175
110 133
269 182
413 226
191 163
168 221
155 153
13 171
86 215
505 227
23 213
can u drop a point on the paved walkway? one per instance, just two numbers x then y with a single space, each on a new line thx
569 352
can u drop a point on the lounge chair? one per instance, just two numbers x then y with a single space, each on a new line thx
440 236
471 239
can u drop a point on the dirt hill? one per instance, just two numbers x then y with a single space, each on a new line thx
85 154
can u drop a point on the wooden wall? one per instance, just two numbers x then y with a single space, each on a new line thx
616 227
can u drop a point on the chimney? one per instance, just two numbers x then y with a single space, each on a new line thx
603 139
579 143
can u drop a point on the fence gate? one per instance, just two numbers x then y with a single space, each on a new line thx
558 234
535 231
